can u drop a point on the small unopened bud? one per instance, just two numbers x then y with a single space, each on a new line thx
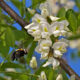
10 70
72 77
31 11
33 63
59 77
42 76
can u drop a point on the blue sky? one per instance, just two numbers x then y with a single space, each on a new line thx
74 63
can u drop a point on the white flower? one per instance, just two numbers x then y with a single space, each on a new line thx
58 28
54 8
44 55
28 26
43 46
65 23
72 77
35 31
69 5
45 9
38 37
54 18
57 53
59 77
44 13
45 30
10 70
61 46
63 1
55 63
33 63
64 40
38 19
42 76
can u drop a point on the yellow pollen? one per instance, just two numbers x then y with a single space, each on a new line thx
60 48
57 28
33 30
38 20
45 29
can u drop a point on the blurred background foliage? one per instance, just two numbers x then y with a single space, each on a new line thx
11 38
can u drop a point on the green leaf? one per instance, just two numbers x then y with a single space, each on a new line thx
79 20
28 41
51 74
31 51
74 37
2 78
61 13
3 49
78 54
72 19
5 19
28 16
24 77
64 75
19 34
9 37
35 3
20 5
10 65
78 4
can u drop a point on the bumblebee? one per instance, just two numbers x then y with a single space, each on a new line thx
18 54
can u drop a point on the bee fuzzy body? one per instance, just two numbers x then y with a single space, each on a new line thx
18 54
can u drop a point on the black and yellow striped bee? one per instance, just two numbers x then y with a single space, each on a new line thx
18 54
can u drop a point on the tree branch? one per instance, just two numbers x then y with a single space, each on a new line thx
12 13
67 68
17 18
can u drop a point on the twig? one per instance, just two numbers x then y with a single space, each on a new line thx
17 18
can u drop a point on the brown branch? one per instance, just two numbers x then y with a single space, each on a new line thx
17 18
67 68
12 13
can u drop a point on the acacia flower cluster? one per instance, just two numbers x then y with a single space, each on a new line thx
42 31
57 4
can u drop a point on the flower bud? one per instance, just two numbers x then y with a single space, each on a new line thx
31 11
42 76
59 77
72 77
10 70
33 63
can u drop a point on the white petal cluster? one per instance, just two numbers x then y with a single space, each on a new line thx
60 48
44 47
55 63
59 28
45 9
67 4
42 76
42 30
33 63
